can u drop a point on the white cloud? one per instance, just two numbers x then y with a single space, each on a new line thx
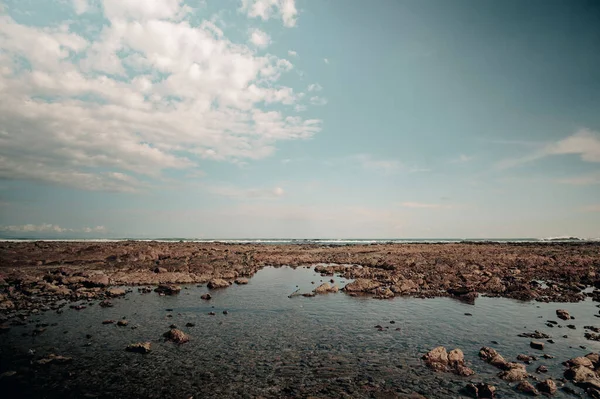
266 9
292 53
259 38
316 100
314 87
247 193
326 60
187 93
585 143
382 165
422 205
50 228
81 6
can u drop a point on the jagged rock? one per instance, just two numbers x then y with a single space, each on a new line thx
548 386
176 336
217 283
140 347
516 372
579 361
527 388
563 314
579 374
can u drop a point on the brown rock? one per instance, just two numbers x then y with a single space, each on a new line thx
361 285
487 353
563 314
541 369
160 270
217 283
176 336
516 372
108 322
480 390
168 289
115 292
527 388
579 374
97 280
383 293
241 281
579 361
206 296
140 347
548 386
122 323
436 355
456 357
325 288
54 359
537 345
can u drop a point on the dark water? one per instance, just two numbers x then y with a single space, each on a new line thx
270 345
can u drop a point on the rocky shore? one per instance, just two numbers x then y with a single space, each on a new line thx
36 275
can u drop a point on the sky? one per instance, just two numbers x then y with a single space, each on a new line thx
299 118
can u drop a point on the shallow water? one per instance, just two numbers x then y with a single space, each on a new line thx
273 346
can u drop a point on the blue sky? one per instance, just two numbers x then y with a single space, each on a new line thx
292 118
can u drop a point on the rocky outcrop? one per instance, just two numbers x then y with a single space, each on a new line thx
140 347
176 336
217 283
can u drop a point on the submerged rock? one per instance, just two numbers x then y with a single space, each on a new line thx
439 360
115 292
325 288
52 358
176 336
140 347
206 296
168 289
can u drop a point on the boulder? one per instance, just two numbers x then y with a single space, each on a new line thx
563 314
579 374
516 372
527 388
140 347
438 356
361 285
217 283
579 361
595 358
168 289
176 336
241 281
206 296
456 356
548 386
537 345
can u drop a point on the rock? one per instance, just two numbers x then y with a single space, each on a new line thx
536 334
241 281
115 292
361 285
97 280
494 285
548 386
217 283
537 345
140 347
480 390
206 297
108 322
160 270
527 388
579 361
487 353
595 358
190 325
325 288
563 314
579 374
225 312
462 370
524 358
212 314
383 293
106 304
309 294
122 323
54 359
456 356
8 374
516 372
437 358
541 369
176 336
168 289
